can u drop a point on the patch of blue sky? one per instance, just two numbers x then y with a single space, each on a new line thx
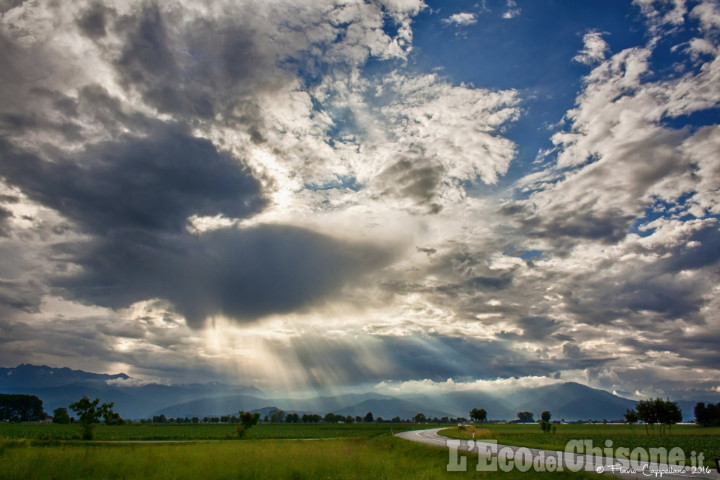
525 254
342 182
661 209
531 53
694 120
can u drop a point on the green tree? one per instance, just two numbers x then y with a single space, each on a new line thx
20 408
478 415
247 420
545 421
420 418
368 417
631 416
525 417
662 412
90 412
60 415
707 415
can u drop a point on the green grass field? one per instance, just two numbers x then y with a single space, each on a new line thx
690 438
198 431
379 457
46 451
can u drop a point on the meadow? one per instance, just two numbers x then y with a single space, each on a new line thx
378 457
141 432
296 451
690 438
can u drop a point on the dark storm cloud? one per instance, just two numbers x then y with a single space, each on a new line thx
18 295
537 328
705 253
136 195
202 71
608 228
5 215
415 178
6 5
93 22
243 274
154 183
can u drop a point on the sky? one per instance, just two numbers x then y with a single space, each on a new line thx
347 195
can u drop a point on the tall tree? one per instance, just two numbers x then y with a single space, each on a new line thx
90 412
247 420
545 421
525 417
662 412
20 408
478 415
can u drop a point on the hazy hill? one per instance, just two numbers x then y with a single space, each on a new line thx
33 376
58 387
214 406
390 408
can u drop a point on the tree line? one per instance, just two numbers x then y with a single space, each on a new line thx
707 415
663 413
20 408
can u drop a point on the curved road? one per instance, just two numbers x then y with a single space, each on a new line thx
547 458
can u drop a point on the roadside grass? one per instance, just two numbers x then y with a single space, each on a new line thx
378 457
690 438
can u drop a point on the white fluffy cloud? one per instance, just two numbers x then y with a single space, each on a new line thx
462 19
595 48
349 193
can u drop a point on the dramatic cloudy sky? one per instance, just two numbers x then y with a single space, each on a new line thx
385 194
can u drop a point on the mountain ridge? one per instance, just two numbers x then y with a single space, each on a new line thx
58 387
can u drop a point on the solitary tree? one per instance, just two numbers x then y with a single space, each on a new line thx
545 421
90 412
478 415
420 418
247 420
368 417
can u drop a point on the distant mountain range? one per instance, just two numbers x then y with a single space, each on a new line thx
58 387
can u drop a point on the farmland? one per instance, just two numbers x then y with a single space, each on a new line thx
690 438
199 431
45 451
369 455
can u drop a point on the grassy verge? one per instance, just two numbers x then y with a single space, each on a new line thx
690 438
362 458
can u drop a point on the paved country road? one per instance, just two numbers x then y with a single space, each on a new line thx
547 458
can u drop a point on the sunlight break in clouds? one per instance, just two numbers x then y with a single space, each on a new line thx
335 195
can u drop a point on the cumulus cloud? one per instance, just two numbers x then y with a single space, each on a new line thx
279 192
662 13
595 48
462 19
